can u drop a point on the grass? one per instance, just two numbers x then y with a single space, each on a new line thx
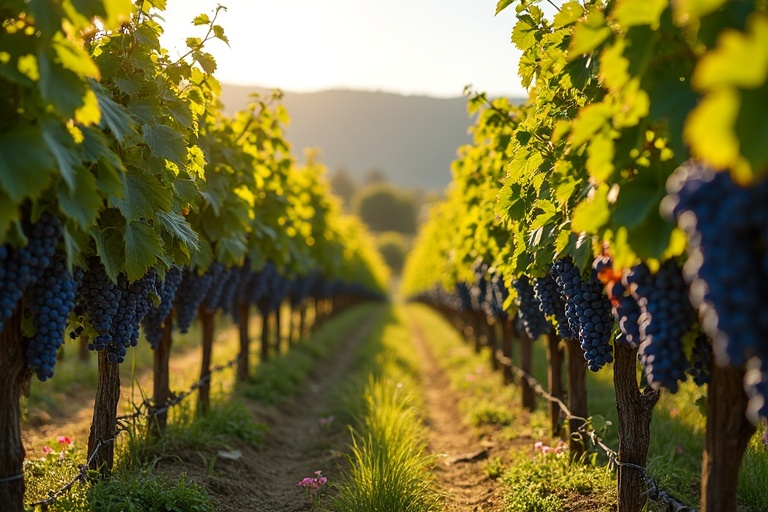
388 465
141 491
552 483
283 375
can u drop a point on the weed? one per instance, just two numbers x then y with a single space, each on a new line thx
142 491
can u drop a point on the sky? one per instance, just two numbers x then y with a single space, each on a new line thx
416 47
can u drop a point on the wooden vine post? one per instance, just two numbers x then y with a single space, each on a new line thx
554 380
577 395
204 393
243 319
15 379
493 342
728 433
526 364
507 334
635 409
101 440
291 324
302 319
278 330
264 336
162 388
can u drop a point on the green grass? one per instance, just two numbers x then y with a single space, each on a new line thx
552 483
282 375
141 491
388 465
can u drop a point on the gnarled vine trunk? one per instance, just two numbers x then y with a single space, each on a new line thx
14 379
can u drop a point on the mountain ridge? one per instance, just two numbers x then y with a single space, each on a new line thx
411 138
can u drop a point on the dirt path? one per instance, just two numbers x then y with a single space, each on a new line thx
296 444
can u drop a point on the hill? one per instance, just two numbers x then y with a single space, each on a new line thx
412 139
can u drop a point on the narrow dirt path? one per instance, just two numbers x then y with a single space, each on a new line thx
461 454
296 444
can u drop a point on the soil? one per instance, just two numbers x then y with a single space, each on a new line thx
302 439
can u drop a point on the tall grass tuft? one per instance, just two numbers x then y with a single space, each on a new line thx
388 464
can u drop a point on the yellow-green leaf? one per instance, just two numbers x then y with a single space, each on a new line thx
591 214
630 13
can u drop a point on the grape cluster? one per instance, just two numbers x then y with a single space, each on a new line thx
50 301
100 297
299 290
666 317
701 360
189 296
588 312
534 321
462 290
23 266
497 295
551 304
756 386
627 311
568 280
727 228
218 275
154 319
142 291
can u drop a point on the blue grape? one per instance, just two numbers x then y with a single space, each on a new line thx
627 312
189 296
23 266
50 300
552 304
588 312
100 297
462 290
534 321
727 228
701 360
666 317
219 275
153 321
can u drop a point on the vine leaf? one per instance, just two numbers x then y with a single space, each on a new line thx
142 197
80 202
503 4
165 142
142 248
26 164
113 115
178 226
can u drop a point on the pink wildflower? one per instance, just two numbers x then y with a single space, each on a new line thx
538 446
46 450
327 421
64 440
546 449
765 438
679 449
313 484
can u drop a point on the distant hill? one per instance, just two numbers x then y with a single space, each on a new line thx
413 139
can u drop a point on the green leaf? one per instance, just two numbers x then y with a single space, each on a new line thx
165 142
206 61
201 19
635 202
503 4
631 13
26 165
589 34
179 228
60 87
61 145
113 115
48 16
9 213
143 196
709 129
651 238
524 33
218 33
569 13
591 119
81 202
142 249
600 160
592 214
111 249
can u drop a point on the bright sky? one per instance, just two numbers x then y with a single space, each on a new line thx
431 47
